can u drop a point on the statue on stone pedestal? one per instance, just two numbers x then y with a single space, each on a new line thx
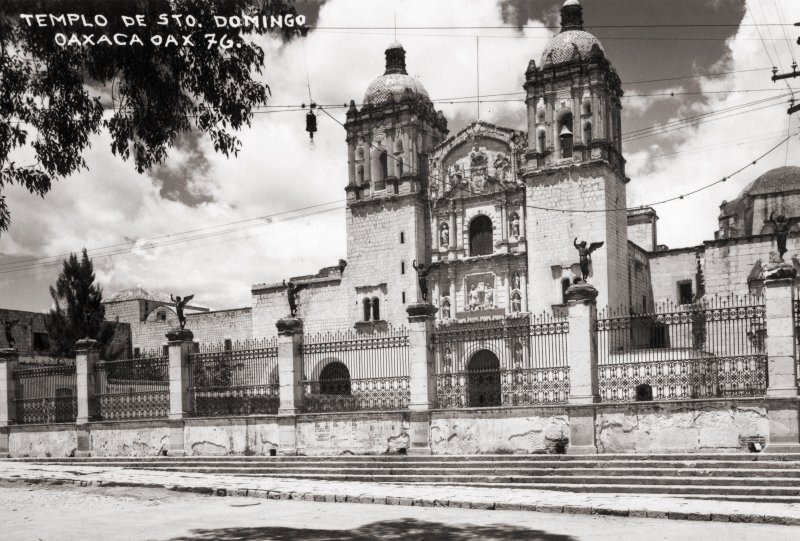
179 305
515 225
292 290
422 277
446 309
516 303
780 226
585 254
444 236
7 327
448 359
488 296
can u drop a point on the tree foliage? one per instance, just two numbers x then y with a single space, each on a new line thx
54 98
78 311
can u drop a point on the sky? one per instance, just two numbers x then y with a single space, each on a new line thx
276 172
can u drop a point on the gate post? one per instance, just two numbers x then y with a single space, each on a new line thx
422 387
582 361
179 345
290 375
8 364
782 403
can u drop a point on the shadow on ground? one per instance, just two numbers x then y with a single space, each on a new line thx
401 529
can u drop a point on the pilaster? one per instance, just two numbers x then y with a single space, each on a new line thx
422 385
179 345
290 370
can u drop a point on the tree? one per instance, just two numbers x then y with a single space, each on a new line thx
153 92
78 310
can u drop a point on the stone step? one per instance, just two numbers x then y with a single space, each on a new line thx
728 457
782 466
790 495
370 469
515 479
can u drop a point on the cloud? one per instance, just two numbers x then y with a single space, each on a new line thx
184 175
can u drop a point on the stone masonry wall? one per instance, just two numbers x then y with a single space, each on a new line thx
551 234
376 255
529 430
365 434
28 324
641 288
670 267
679 428
322 306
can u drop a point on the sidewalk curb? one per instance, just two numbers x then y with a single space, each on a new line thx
391 500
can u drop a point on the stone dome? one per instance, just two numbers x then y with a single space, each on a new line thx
395 83
562 47
781 179
572 39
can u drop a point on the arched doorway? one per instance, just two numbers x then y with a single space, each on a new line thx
483 380
334 379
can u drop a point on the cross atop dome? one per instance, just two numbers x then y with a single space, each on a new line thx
571 15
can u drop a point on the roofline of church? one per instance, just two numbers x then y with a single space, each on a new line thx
483 123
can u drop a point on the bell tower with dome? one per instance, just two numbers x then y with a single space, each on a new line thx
574 162
388 141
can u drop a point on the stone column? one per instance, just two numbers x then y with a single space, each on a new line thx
455 241
179 345
290 376
523 286
782 396
87 353
582 359
421 381
9 361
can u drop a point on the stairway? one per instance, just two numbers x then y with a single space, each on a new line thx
751 477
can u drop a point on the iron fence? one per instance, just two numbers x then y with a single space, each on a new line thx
502 362
234 378
712 348
796 319
367 394
130 389
348 371
46 394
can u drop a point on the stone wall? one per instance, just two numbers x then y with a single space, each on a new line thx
129 439
236 436
42 441
149 328
550 234
640 287
700 426
28 324
729 262
322 306
493 431
362 434
667 268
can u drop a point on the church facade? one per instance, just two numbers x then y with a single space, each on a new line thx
491 215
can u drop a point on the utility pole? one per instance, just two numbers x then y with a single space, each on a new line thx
794 73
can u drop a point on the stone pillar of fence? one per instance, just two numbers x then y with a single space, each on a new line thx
290 375
421 383
582 360
8 363
784 434
179 344
87 353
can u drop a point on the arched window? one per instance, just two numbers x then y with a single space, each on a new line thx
367 309
359 174
483 382
586 107
359 153
587 133
540 114
480 236
565 131
384 161
541 137
376 309
334 379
